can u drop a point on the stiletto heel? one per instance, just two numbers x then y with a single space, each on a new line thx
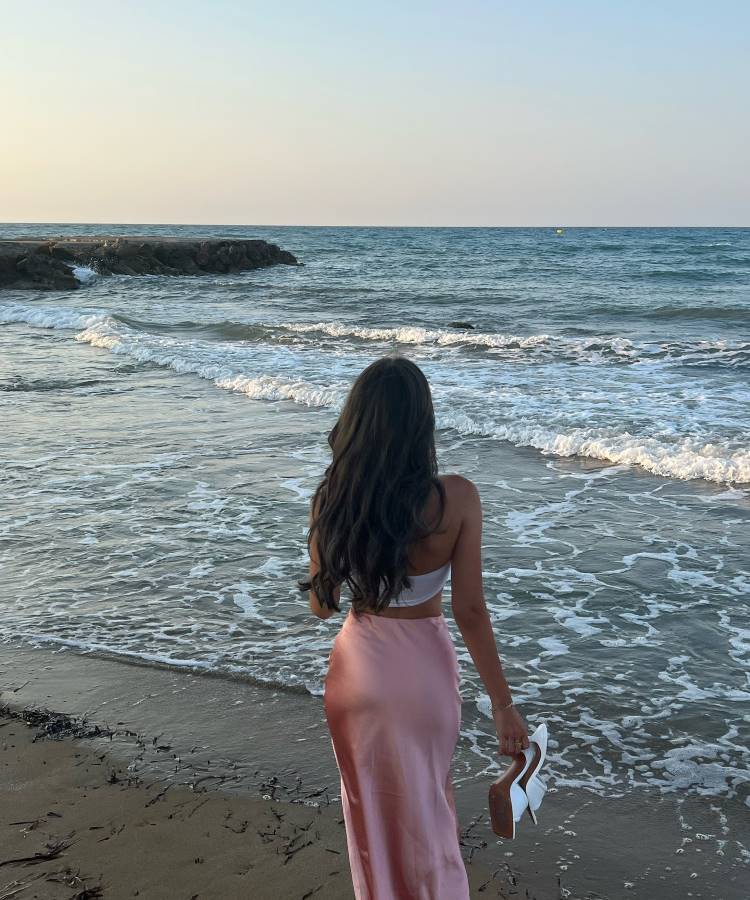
535 791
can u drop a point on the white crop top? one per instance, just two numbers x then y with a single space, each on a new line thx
423 587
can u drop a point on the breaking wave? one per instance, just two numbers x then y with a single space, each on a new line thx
709 353
717 460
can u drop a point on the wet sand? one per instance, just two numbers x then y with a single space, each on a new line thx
78 822
175 740
75 822
84 814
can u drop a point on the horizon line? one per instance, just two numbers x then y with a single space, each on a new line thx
300 225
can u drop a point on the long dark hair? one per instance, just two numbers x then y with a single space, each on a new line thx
368 509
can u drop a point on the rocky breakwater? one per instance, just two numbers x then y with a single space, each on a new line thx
50 264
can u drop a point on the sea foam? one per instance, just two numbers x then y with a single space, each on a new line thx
84 274
595 348
50 316
684 459
672 457
257 387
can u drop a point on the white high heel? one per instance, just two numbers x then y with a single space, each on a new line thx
507 799
530 782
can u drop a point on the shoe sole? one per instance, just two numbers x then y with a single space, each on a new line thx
502 793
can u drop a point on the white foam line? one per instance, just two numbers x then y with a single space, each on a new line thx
416 335
50 316
585 348
685 459
261 387
590 348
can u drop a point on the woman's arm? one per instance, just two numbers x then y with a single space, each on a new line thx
473 620
322 612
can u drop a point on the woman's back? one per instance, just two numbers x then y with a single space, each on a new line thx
431 555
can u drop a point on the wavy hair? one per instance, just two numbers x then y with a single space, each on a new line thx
368 509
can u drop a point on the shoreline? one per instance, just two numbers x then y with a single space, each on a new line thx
240 739
74 815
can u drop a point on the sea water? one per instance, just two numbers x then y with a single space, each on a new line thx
162 438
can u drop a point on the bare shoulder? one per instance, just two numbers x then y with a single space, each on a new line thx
462 499
461 502
460 489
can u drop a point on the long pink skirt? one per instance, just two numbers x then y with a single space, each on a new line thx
393 708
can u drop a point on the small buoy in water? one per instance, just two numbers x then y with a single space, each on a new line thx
559 231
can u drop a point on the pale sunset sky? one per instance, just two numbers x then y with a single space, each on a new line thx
387 113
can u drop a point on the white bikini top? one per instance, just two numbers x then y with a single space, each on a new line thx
423 587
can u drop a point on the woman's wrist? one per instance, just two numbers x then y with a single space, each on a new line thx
500 706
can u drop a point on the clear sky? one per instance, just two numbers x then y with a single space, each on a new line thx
376 113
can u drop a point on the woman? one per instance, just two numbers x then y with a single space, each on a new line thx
383 523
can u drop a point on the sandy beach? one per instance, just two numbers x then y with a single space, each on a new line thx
191 759
90 809
78 822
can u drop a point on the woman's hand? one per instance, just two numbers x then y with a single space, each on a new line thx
511 731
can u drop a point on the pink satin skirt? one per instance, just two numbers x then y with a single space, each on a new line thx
393 708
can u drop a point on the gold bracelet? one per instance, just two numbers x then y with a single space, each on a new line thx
501 708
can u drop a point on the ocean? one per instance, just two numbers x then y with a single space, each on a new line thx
162 438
